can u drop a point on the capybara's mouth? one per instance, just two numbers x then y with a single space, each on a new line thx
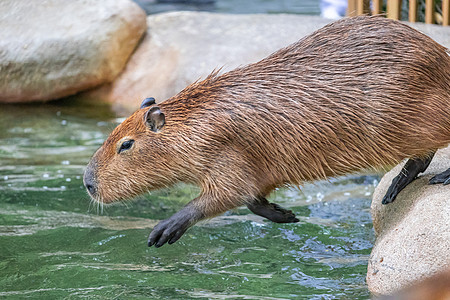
99 199
111 199
106 200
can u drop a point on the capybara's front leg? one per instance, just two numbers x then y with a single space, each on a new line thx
409 172
272 211
202 207
171 229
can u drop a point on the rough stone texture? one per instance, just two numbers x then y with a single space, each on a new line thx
413 232
54 48
182 47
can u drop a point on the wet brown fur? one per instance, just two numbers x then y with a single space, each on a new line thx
363 92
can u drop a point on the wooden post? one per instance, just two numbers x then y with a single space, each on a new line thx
445 12
351 8
429 11
394 9
362 7
412 11
377 7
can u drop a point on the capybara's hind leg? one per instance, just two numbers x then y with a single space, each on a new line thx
272 211
443 177
409 172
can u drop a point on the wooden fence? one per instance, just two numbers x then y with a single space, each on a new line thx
393 10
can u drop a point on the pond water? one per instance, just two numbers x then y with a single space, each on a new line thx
55 244
305 7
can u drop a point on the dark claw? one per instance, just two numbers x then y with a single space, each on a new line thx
161 241
408 173
388 199
167 230
176 236
443 178
171 229
272 211
156 233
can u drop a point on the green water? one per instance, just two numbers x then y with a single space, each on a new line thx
55 244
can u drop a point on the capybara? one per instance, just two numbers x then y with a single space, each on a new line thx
360 93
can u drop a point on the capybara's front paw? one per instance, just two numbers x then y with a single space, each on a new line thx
171 229
167 231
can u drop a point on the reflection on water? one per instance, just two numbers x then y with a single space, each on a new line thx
54 243
305 7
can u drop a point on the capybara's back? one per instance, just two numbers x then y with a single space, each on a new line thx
356 94
364 92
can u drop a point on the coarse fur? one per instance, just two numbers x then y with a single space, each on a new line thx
360 93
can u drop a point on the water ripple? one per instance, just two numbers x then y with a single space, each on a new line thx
116 267
47 220
70 290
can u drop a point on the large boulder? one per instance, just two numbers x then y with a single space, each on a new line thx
54 48
182 47
413 232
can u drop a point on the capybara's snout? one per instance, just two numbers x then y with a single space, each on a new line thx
89 180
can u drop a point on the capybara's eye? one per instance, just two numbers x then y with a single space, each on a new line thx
126 145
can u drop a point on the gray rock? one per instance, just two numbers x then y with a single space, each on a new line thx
54 48
182 47
413 232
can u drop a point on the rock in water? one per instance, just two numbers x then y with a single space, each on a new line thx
55 48
413 233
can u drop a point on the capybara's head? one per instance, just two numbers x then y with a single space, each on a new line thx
130 161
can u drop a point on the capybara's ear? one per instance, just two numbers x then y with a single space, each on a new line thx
148 102
155 119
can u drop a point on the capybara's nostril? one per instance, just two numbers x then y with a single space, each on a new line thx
90 188
89 181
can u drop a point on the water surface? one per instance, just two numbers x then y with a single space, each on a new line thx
54 243
304 7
